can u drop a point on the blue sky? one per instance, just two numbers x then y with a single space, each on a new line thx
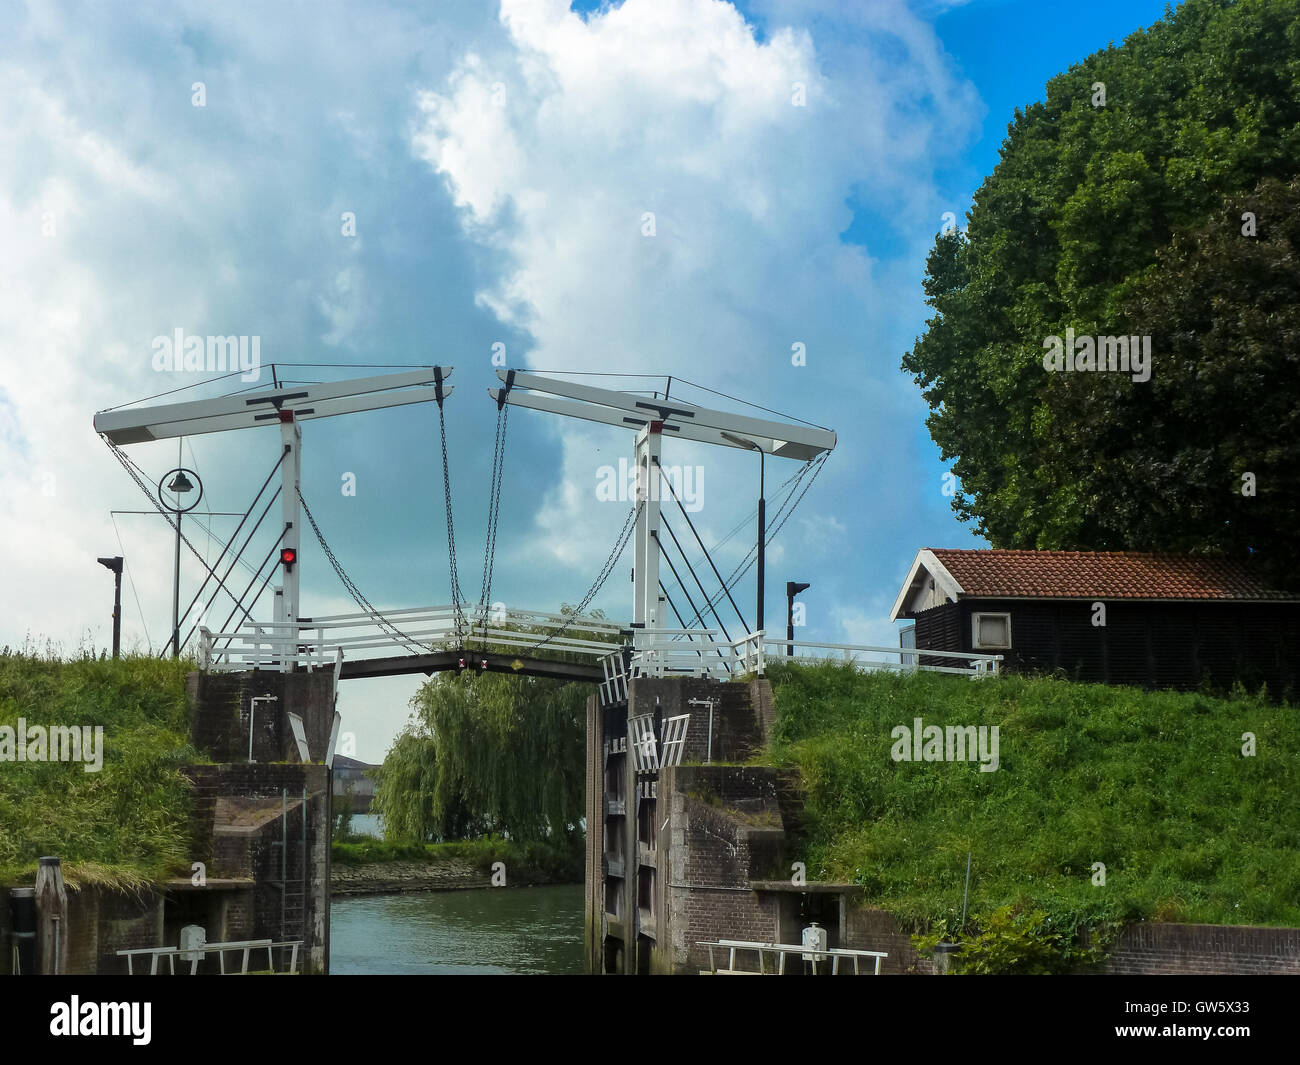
499 163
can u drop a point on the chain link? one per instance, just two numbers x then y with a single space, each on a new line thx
411 643
628 525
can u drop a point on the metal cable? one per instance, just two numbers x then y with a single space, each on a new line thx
233 537
240 604
745 563
248 540
122 547
457 597
138 478
744 627
691 570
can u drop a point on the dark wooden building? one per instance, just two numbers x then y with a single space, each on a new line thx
1153 620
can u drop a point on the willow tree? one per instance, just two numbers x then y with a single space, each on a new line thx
488 753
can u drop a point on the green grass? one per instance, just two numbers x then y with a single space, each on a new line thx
557 860
123 825
1153 784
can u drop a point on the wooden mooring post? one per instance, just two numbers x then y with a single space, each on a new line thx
51 919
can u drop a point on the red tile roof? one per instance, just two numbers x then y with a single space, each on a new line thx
1101 575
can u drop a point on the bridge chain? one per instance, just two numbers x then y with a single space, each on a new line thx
410 642
628 525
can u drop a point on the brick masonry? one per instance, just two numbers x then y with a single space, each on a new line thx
221 708
241 816
1192 949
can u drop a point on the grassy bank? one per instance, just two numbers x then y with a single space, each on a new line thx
124 824
1152 784
559 862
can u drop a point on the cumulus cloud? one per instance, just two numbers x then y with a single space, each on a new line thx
664 191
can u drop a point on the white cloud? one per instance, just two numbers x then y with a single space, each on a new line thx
673 108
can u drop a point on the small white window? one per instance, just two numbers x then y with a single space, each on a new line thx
990 632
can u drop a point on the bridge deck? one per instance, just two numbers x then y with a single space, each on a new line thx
441 661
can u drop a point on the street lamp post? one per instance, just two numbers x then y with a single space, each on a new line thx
180 484
792 588
115 564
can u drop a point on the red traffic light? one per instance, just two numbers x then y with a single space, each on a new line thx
288 556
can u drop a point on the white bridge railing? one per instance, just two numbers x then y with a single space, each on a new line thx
702 653
323 642
962 663
317 642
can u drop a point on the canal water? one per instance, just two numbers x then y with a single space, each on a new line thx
481 932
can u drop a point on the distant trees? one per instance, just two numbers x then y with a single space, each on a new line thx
1117 210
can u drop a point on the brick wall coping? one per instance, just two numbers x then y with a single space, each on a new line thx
213 883
811 888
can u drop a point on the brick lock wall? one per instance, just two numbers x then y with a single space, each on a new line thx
125 922
712 855
1188 949
873 929
737 729
701 882
252 854
221 707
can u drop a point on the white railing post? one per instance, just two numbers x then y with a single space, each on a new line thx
205 647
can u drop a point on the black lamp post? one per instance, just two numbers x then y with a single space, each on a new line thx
115 564
179 486
792 588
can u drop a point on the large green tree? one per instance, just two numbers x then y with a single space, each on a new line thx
1116 210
